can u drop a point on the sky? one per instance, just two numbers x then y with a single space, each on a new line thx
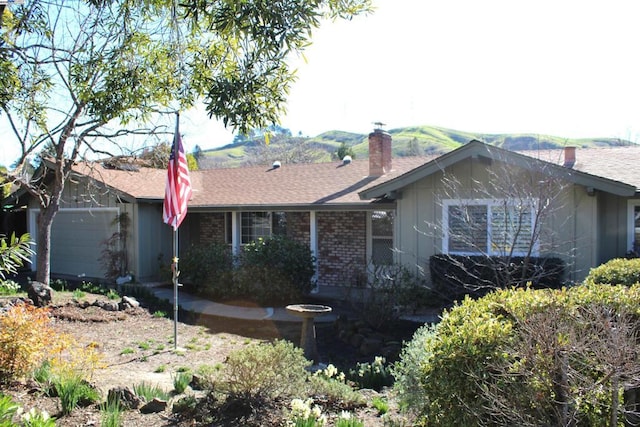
566 68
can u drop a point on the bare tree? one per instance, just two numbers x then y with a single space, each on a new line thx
496 223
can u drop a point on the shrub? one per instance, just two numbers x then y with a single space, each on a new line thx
392 290
25 336
525 357
9 287
208 269
334 392
304 415
8 408
35 418
276 270
414 355
375 375
266 370
616 272
455 276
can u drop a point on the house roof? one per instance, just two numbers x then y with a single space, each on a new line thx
334 185
321 185
608 169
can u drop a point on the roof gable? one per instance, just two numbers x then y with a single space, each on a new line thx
477 149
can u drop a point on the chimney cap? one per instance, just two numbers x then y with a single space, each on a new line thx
378 126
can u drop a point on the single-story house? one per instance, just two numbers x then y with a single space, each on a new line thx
354 212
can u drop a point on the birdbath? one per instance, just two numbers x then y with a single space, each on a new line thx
308 312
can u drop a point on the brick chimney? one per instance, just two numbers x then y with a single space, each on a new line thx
379 152
569 157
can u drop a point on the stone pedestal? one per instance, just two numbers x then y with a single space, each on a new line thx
308 312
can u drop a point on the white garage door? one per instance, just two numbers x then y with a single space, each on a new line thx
77 238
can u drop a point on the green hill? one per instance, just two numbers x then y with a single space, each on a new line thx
407 141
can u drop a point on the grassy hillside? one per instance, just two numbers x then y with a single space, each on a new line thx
408 141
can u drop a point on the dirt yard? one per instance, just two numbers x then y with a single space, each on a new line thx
139 347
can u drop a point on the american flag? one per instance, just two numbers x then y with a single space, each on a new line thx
178 190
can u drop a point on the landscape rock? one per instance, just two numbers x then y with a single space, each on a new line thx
125 397
111 306
129 302
154 406
40 293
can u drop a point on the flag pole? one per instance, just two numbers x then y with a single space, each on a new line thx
176 273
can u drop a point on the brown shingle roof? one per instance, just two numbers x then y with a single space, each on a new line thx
321 184
621 164
327 184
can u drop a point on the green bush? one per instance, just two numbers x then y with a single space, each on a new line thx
618 271
405 371
276 270
208 269
525 357
374 375
8 408
265 370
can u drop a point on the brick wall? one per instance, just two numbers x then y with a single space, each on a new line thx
298 225
211 227
342 247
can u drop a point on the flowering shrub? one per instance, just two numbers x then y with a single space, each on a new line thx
35 418
345 419
375 375
304 415
25 336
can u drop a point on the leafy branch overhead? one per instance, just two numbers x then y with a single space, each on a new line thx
83 78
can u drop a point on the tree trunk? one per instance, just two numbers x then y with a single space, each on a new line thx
45 221
43 256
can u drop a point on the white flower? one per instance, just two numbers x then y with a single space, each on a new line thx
345 415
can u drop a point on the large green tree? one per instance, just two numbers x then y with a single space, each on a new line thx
79 78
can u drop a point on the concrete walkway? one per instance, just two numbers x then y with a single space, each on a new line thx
203 306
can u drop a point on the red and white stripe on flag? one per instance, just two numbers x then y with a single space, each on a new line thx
178 189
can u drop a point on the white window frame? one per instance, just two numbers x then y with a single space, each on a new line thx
268 230
489 203
631 222
371 237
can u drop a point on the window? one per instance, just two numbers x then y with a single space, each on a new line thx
492 227
634 226
382 237
255 225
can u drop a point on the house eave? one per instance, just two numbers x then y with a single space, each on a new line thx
371 206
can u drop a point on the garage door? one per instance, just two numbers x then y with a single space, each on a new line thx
76 240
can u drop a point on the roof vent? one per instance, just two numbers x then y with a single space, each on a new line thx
276 164
346 159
